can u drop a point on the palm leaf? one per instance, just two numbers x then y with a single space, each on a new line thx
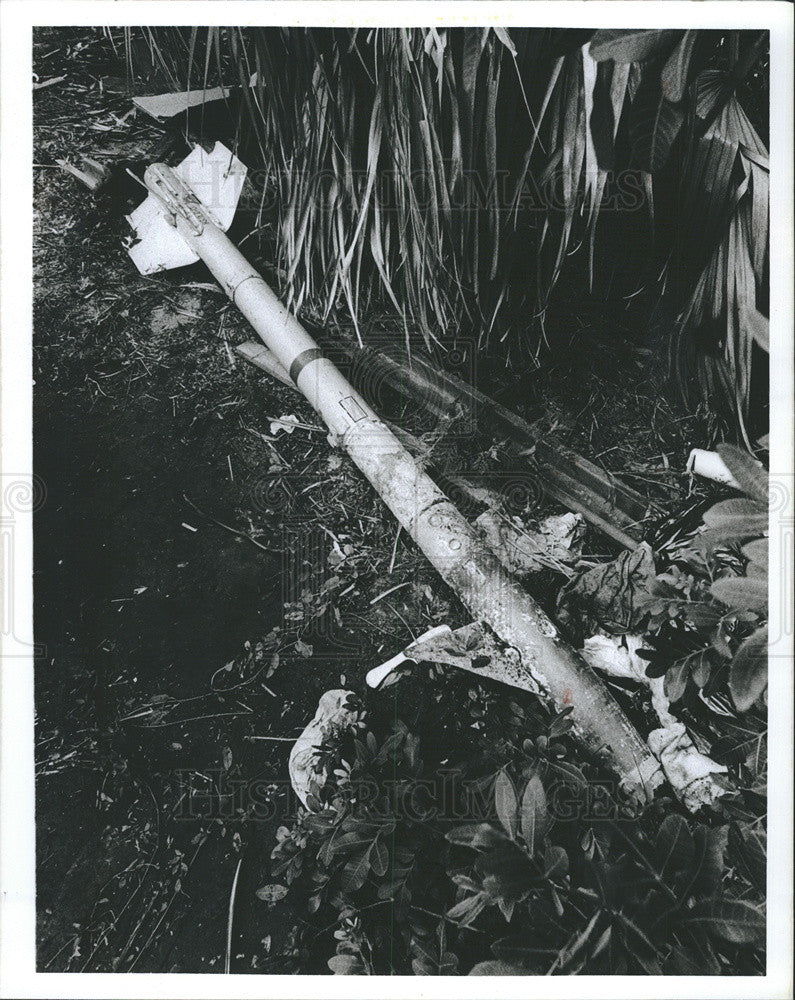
383 152
631 45
655 123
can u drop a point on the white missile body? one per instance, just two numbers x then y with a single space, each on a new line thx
184 219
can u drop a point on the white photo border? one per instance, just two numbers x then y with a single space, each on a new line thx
18 977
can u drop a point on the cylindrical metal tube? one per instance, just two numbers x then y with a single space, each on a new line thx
454 548
328 391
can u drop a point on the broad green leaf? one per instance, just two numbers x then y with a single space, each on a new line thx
603 941
353 841
609 94
749 849
728 534
379 857
708 86
740 592
717 192
448 963
465 882
760 221
700 614
674 846
589 73
743 518
389 749
576 946
425 951
533 814
444 964
468 908
734 920
506 804
556 862
701 668
354 874
490 152
711 843
757 552
748 670
633 45
346 965
320 823
480 836
432 954
571 111
676 677
751 476
674 74
493 967
700 960
570 772
706 199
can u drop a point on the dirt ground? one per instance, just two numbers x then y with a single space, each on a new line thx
197 587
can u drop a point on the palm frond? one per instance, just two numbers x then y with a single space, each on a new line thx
438 169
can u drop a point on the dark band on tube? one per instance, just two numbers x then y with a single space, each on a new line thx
302 360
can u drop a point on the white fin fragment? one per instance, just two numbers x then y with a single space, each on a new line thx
216 178
617 656
709 465
160 246
163 106
691 774
332 716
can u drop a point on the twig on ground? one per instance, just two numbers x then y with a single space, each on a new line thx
228 961
391 590
174 895
394 550
227 527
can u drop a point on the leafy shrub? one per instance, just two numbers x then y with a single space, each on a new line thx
708 612
442 856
